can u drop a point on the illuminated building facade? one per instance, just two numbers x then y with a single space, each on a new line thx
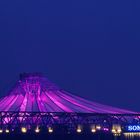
36 105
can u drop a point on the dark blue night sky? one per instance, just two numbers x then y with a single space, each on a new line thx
88 47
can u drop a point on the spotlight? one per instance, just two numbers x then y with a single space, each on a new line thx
93 130
119 130
37 130
113 131
79 129
116 130
7 131
98 127
50 130
1 130
23 129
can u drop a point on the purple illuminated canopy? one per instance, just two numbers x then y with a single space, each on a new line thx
35 93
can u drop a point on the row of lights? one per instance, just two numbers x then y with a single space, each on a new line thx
132 135
37 130
6 131
93 129
24 130
116 129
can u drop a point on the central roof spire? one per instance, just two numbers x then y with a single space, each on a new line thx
35 93
37 80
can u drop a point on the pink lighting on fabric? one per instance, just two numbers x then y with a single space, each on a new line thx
62 106
23 105
35 93
11 103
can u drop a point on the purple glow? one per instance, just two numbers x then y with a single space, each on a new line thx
34 93
106 129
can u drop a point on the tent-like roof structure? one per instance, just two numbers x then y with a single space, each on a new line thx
35 93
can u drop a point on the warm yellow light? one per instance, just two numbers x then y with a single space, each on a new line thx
37 130
7 131
98 127
113 130
93 130
116 129
79 130
23 130
50 130
1 130
132 134
119 130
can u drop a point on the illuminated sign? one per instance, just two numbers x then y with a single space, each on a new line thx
133 128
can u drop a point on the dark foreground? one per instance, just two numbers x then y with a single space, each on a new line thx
63 137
